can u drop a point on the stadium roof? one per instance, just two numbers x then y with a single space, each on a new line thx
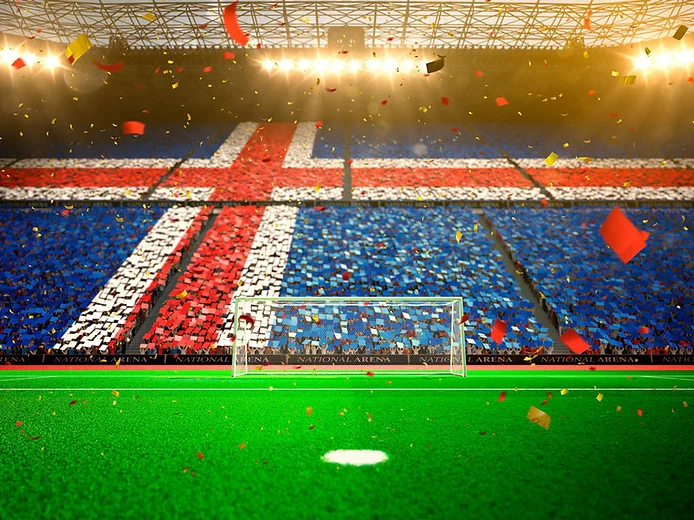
305 24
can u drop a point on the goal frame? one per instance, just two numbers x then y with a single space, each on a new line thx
370 299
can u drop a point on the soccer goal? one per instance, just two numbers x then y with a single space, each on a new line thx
344 329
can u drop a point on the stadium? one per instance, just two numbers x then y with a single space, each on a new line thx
339 259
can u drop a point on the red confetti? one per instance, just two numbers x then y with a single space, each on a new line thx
247 318
73 403
319 124
501 101
483 433
207 69
544 202
544 401
623 237
228 55
502 397
454 130
591 92
319 208
156 71
612 114
179 69
18 63
312 427
200 455
346 276
549 395
331 89
384 102
242 445
18 423
445 101
309 411
639 412
350 161
499 331
390 38
478 73
232 25
575 343
370 374
691 79
267 159
202 26
644 330
65 212
464 318
109 68
133 128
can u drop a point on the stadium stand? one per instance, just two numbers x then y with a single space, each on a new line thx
641 307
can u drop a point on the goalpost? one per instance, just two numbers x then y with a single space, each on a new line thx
348 325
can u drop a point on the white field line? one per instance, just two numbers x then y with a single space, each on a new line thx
554 389
25 378
690 379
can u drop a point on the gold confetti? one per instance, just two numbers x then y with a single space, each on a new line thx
551 159
175 85
115 393
565 391
458 236
149 17
539 417
619 409
182 294
599 397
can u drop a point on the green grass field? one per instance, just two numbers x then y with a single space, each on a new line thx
128 447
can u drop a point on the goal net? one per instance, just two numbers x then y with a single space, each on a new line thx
348 327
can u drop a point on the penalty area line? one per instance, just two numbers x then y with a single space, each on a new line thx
264 389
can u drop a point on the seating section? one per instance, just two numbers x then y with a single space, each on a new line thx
587 288
54 263
407 251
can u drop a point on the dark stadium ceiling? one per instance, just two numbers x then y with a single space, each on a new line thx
305 24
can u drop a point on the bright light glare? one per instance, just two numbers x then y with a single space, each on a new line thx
304 65
663 60
685 57
285 65
7 56
354 66
372 64
390 65
407 66
29 59
642 62
268 65
52 62
321 65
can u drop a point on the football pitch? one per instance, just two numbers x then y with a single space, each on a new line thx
199 444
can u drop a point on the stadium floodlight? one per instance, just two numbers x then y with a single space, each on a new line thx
304 65
52 62
348 326
285 65
685 57
354 65
8 56
268 64
29 58
642 62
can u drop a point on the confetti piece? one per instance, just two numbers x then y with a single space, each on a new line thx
384 102
622 236
647 51
312 427
619 409
445 101
149 17
435 66
454 130
464 318
248 319
575 343
370 374
644 330
319 124
544 402
309 411
591 92
483 433
232 25
458 236
133 128
319 208
18 64
599 397
77 48
200 455
502 397
346 276
565 391
242 445
639 412
478 73
228 56
681 31
499 331
330 89
72 403
207 69
549 395
539 417
174 86
181 295
551 159
18 423
628 80
116 67
115 393
684 403
501 101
